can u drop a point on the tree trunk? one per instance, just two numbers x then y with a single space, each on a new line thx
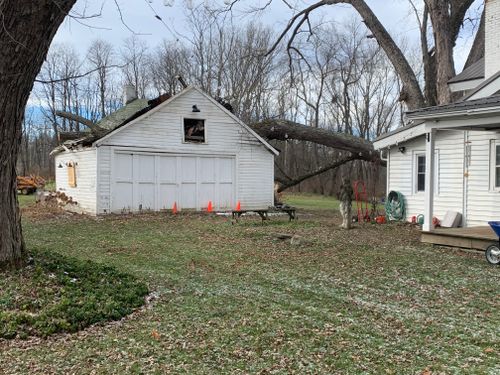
28 28
443 39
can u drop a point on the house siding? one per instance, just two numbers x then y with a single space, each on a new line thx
85 191
482 202
162 132
449 174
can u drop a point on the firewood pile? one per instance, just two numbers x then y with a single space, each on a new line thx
54 198
29 184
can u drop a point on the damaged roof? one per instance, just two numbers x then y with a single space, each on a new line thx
115 120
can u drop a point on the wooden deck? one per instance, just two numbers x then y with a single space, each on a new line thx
478 238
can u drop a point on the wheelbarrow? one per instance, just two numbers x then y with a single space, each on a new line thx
493 251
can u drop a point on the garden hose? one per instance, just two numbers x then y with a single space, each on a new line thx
395 206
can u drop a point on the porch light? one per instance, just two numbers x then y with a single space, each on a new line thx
60 165
195 108
402 149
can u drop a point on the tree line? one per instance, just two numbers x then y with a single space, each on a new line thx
340 81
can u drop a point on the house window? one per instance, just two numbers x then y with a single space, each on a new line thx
420 178
194 130
495 165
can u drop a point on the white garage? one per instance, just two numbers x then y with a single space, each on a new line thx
187 150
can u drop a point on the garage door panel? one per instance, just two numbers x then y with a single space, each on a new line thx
146 197
123 196
207 170
146 168
167 169
188 196
207 193
167 196
123 167
188 169
226 196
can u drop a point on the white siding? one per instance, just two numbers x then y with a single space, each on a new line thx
85 191
483 204
104 179
448 194
449 174
162 131
401 176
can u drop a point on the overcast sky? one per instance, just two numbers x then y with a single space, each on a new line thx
139 16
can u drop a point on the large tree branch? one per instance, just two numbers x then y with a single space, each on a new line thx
286 184
411 91
284 130
97 130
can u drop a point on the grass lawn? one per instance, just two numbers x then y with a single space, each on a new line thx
233 299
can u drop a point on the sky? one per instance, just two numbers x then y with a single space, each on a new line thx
138 16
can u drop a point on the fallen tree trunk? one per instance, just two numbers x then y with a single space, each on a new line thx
283 130
286 184
94 128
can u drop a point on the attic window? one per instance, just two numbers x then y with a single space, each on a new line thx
194 130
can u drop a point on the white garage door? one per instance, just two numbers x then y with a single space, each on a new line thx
155 182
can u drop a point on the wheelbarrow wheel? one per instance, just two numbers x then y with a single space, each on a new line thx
493 254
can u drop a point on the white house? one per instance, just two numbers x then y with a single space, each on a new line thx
448 157
185 150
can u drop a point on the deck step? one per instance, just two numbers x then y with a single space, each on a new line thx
470 238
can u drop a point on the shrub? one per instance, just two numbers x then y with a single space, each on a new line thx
58 294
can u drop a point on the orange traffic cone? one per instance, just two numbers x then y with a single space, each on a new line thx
174 208
238 206
209 207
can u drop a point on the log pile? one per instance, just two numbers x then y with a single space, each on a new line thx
29 184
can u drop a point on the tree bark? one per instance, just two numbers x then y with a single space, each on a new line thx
28 28
283 130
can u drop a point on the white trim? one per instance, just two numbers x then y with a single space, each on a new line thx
415 155
402 136
492 166
448 122
487 90
429 180
465 85
170 100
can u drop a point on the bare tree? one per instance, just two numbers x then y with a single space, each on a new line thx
136 59
100 57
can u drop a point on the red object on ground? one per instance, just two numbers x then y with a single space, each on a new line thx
436 222
361 201
209 207
414 220
380 219
174 208
238 206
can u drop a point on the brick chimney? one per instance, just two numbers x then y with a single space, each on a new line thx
492 38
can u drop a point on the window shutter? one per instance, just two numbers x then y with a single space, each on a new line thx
71 174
